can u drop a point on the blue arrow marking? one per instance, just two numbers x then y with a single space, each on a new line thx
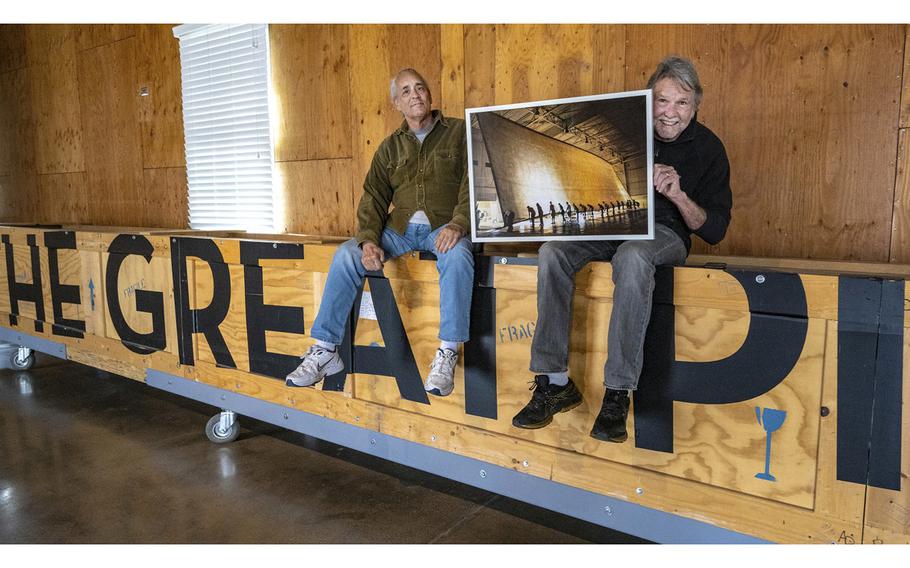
91 289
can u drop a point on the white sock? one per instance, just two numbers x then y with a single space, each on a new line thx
326 345
559 379
450 345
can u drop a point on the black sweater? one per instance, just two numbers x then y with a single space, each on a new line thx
699 158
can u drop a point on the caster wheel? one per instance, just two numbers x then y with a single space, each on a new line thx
215 434
22 364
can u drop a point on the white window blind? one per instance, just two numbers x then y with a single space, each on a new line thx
225 71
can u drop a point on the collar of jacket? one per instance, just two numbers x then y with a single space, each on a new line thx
684 136
437 117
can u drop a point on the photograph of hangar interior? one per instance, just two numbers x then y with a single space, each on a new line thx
564 169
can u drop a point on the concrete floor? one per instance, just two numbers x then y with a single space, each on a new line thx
90 457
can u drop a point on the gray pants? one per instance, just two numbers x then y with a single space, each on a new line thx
633 277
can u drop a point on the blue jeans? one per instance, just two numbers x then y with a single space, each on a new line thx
456 282
633 278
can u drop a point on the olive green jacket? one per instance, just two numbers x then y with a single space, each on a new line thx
409 176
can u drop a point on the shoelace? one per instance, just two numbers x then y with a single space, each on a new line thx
612 410
539 398
312 363
441 360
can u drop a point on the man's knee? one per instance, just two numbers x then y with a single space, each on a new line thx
459 256
632 260
552 255
348 254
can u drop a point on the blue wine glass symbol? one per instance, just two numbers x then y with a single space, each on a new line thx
771 420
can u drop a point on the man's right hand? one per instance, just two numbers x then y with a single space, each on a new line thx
373 256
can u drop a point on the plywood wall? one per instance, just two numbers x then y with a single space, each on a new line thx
77 142
814 118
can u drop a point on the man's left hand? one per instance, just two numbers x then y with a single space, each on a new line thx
666 182
447 237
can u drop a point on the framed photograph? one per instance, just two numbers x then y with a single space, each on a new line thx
566 169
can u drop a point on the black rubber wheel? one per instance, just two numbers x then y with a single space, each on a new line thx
22 364
215 434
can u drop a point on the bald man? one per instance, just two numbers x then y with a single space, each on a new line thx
420 171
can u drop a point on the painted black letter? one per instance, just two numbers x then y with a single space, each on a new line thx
62 293
870 339
777 334
204 320
261 317
146 301
19 292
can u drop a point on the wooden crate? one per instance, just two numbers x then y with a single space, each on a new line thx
727 350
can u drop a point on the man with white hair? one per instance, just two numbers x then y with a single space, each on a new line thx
420 171
692 195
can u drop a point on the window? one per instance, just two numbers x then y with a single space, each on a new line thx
225 73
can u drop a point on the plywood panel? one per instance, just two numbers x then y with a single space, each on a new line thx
319 196
18 197
838 500
610 59
92 291
371 112
47 42
113 145
110 355
480 65
161 112
12 47
451 90
526 73
860 64
94 35
646 45
62 198
17 123
164 198
905 91
310 74
900 221
887 517
55 84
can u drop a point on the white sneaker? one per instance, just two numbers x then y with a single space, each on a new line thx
317 363
441 380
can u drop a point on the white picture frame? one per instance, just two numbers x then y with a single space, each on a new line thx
576 168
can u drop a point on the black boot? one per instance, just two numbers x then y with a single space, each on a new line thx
546 401
610 424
